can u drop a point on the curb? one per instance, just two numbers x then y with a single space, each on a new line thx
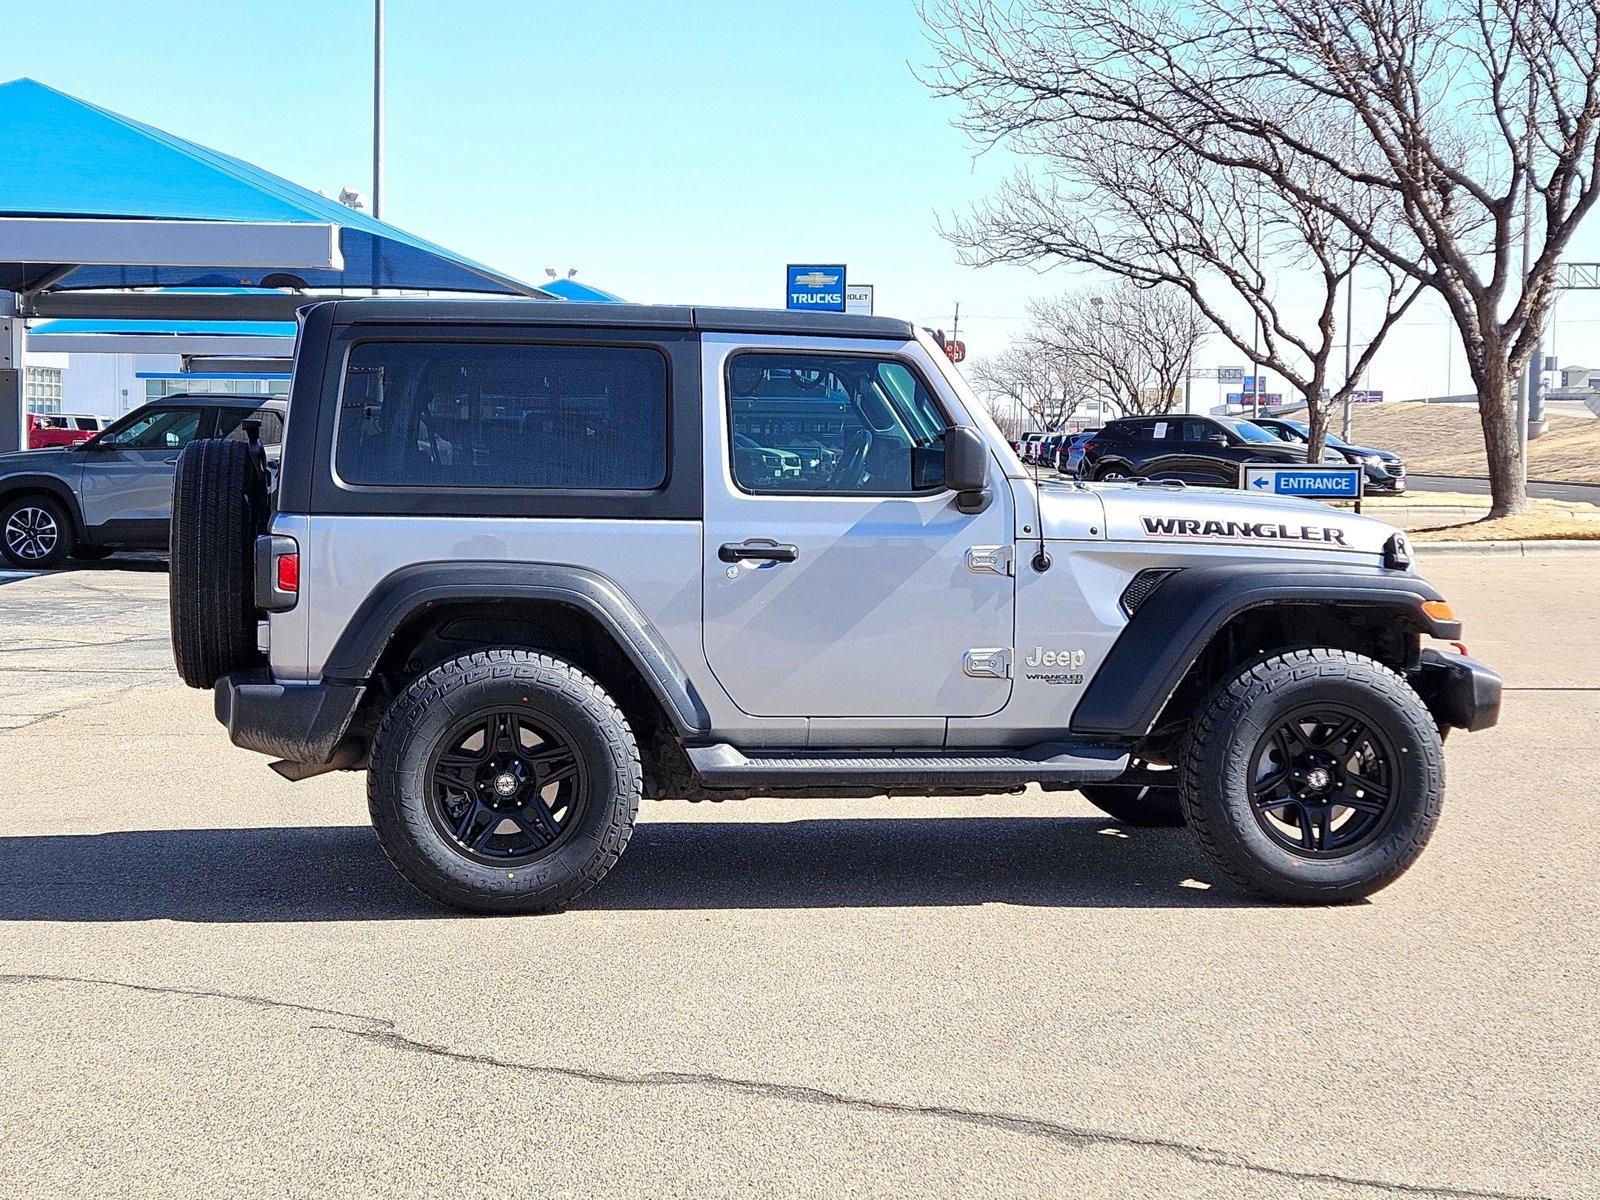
1523 549
1586 483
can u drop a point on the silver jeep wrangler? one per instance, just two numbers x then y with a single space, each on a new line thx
525 563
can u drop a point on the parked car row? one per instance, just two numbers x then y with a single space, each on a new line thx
113 489
1196 449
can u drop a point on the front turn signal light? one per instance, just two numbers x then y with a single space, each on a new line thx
1439 610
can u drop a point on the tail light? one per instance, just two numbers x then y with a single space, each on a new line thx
277 563
288 573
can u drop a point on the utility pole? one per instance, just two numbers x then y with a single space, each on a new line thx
377 109
955 324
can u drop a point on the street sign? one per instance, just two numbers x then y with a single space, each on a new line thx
957 351
1230 374
858 298
1254 383
815 288
1366 397
1321 483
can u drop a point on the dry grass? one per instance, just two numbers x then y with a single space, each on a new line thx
1545 520
1530 527
1447 439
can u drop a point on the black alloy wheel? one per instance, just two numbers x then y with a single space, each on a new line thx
507 787
1322 780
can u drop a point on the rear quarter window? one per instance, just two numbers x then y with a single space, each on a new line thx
502 415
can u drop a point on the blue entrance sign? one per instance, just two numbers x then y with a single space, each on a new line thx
1322 483
815 288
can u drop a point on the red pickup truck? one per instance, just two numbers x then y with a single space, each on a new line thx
60 429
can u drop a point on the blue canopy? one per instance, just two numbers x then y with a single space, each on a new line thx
64 157
571 289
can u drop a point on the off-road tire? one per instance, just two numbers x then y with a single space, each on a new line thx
219 500
1151 807
64 542
1215 765
399 781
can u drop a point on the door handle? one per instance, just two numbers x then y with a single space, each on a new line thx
757 551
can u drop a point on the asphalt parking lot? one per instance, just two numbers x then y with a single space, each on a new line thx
214 984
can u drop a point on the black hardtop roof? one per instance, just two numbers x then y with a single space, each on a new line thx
410 310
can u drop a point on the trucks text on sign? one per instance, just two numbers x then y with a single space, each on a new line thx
815 288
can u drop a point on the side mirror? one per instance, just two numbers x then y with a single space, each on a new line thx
966 467
1217 439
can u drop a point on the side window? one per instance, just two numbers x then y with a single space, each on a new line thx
830 424
503 415
230 424
1197 433
159 429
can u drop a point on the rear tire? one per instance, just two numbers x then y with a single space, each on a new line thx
1278 749
1111 475
35 532
219 503
434 786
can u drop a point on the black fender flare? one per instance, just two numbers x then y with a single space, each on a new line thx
1185 611
55 486
412 589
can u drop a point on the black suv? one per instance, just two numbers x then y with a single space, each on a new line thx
1203 450
1384 469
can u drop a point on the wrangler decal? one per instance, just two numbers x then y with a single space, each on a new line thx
1248 531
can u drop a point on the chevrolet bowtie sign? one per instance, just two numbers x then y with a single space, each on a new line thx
815 288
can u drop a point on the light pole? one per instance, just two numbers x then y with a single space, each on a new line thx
377 109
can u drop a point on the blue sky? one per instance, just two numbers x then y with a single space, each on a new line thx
672 153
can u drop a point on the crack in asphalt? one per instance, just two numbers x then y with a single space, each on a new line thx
381 1031
1559 687
41 646
30 722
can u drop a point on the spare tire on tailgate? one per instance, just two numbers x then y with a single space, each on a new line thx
219 506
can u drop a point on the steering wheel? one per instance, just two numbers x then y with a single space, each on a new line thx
851 472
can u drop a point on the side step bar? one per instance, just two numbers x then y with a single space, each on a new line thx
722 765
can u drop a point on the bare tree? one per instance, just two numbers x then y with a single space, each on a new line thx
1134 345
1029 378
1207 240
1457 110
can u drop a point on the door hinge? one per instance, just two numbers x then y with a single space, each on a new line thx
987 664
990 560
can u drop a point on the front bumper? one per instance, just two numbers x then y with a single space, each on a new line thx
300 722
1460 692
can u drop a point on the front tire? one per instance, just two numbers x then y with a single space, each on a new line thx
1315 776
35 532
504 781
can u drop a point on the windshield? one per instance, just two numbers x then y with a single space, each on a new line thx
1245 430
1304 430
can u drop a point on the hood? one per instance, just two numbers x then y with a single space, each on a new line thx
1219 517
51 458
1372 451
